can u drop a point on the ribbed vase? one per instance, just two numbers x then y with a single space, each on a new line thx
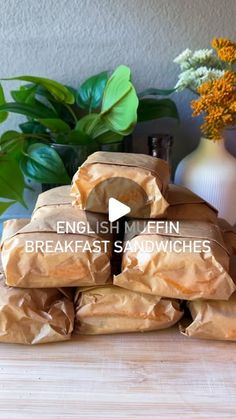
210 171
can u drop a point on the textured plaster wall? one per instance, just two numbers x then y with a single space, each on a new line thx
71 39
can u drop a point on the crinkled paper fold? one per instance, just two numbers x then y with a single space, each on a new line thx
212 319
110 309
229 235
69 267
31 316
184 275
186 205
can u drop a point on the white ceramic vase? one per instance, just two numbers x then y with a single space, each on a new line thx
210 171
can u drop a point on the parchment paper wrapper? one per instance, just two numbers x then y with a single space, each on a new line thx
110 309
137 180
184 275
186 205
229 235
40 269
212 319
32 316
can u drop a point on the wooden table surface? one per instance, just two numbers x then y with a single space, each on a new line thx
156 375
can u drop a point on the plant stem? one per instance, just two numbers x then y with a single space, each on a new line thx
193 91
41 136
72 113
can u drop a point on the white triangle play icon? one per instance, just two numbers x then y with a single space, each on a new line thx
117 209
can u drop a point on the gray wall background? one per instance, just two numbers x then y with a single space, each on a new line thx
70 40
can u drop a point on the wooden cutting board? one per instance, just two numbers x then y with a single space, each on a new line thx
153 375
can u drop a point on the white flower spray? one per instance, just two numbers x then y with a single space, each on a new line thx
197 67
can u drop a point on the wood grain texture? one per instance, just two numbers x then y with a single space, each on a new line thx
153 375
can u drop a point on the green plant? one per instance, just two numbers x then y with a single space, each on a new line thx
103 110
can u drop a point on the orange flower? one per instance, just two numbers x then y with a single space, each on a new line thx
227 54
218 102
218 43
225 48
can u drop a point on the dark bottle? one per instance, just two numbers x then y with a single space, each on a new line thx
160 145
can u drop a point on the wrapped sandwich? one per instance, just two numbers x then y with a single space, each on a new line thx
212 319
32 316
137 180
229 235
186 205
189 261
60 246
110 309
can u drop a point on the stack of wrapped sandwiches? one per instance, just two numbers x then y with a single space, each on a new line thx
60 274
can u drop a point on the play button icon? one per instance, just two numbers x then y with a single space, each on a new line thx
117 209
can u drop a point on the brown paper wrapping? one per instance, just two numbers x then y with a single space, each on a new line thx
229 235
57 269
55 196
212 319
186 205
145 195
32 316
110 309
182 275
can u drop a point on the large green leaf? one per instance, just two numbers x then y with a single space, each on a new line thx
109 137
73 91
45 97
12 182
5 205
23 94
91 91
32 127
96 127
55 125
152 91
28 94
43 164
117 87
122 117
36 111
3 115
149 109
120 102
78 137
60 92
93 125
63 110
11 142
